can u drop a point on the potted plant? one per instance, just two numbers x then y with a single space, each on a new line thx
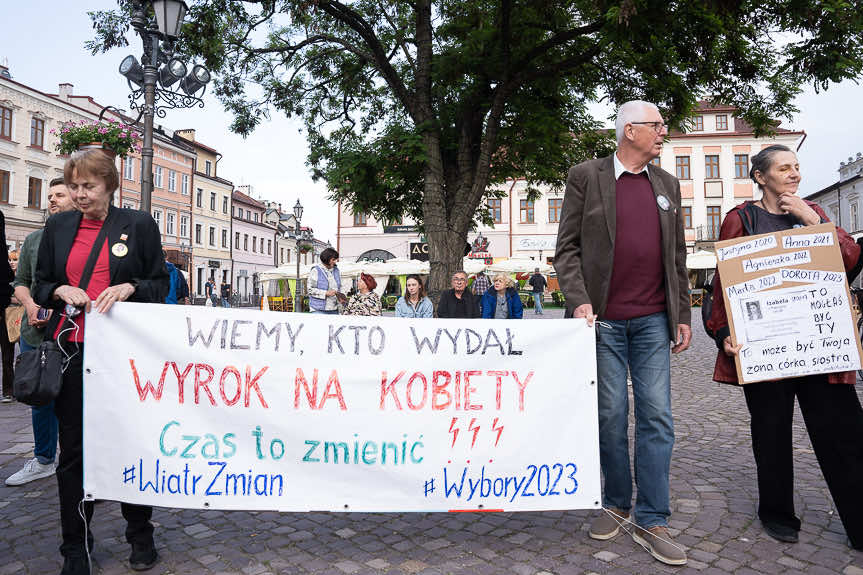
112 137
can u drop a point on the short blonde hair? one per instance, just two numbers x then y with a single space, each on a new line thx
508 281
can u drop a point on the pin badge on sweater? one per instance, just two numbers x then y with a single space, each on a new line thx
119 249
663 203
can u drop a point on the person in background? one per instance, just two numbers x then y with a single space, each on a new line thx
502 300
325 283
129 266
414 303
538 283
13 260
828 401
480 284
6 347
458 302
365 301
210 291
178 290
32 330
225 292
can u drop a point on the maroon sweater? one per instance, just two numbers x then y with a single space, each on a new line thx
637 280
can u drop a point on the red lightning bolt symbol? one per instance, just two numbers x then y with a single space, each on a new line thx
453 431
475 431
498 429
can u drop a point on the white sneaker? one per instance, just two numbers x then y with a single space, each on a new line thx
31 471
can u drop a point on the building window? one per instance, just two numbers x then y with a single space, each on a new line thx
198 234
713 221
269 247
129 169
5 123
494 206
721 122
237 240
711 167
281 255
224 238
157 176
246 242
853 213
741 166
34 193
554 207
208 167
255 216
224 204
526 211
687 216
199 197
698 124
656 162
157 215
681 167
184 226
172 181
169 224
360 219
254 244
213 201
288 257
212 236
5 181
184 185
37 132
248 215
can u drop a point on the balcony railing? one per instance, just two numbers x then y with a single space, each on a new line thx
707 233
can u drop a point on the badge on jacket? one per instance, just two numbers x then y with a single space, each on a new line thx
663 203
119 250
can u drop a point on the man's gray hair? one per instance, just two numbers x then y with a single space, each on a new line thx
629 112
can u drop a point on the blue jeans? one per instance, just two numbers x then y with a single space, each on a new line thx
225 302
44 425
643 345
537 302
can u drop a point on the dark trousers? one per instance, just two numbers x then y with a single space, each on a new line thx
7 350
70 469
834 420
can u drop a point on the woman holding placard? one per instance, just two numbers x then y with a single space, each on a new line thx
829 403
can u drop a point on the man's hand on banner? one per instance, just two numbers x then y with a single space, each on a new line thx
585 310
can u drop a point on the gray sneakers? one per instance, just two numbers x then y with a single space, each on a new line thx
658 543
607 524
31 471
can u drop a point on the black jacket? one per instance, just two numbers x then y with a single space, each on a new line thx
143 264
446 307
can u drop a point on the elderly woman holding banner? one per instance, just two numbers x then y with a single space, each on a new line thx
93 258
830 407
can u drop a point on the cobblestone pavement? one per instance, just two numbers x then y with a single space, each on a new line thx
713 503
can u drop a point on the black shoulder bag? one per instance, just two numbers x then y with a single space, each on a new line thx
39 372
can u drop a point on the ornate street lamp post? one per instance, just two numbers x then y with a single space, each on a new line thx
298 214
152 82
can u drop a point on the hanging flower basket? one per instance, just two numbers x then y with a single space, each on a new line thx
112 137
305 248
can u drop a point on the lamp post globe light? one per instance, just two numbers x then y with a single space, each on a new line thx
298 214
151 79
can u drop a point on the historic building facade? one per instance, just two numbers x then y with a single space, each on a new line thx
211 217
254 242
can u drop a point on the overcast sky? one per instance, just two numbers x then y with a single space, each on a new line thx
272 160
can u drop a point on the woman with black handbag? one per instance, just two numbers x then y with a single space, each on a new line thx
93 257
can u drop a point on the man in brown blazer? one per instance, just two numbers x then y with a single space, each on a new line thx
621 258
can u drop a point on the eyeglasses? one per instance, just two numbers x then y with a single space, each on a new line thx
459 280
657 126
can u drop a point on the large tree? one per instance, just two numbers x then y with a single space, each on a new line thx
424 108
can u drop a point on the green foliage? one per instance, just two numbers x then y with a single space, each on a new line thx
426 108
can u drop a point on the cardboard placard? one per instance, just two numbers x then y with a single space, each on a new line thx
787 299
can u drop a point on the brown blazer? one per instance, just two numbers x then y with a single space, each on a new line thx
584 258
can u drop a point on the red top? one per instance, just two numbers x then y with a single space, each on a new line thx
637 286
99 279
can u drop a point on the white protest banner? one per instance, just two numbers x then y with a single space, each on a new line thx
218 408
793 321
